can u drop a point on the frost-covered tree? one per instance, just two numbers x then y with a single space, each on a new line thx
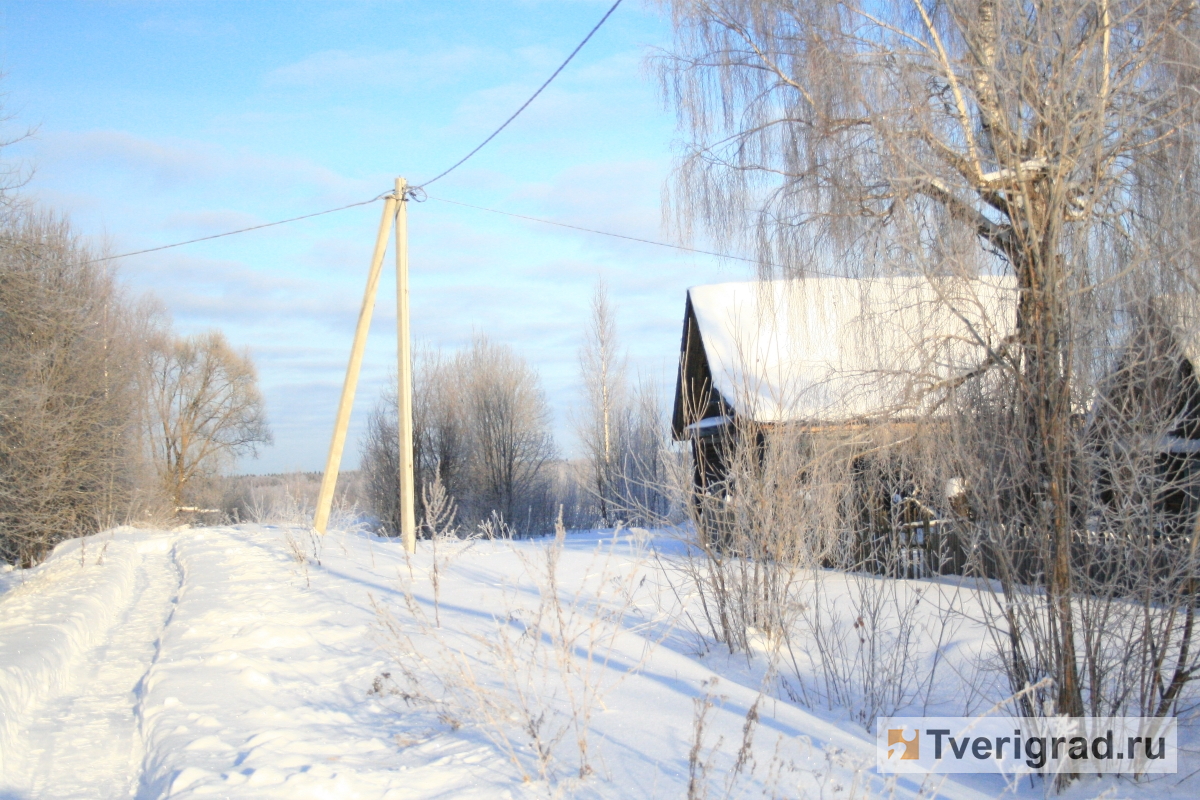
441 452
481 427
621 428
508 421
602 424
205 409
69 389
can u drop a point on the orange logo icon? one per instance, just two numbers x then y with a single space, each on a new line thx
912 747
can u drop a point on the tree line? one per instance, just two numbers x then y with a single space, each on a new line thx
107 416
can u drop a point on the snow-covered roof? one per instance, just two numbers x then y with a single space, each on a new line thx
834 349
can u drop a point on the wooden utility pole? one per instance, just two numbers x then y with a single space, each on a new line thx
333 463
408 523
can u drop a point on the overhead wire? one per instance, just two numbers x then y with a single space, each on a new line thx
418 188
599 232
425 195
808 271
524 105
240 230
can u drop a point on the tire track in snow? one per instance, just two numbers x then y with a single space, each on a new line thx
87 741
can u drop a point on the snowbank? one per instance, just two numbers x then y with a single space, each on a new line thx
56 612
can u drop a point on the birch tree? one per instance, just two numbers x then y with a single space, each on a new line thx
602 427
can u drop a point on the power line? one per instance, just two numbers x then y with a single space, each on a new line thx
441 175
240 230
525 105
600 233
756 262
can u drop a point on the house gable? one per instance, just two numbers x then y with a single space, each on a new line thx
695 397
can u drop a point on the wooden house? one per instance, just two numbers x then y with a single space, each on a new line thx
834 359
1144 424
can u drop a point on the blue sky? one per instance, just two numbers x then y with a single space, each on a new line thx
155 122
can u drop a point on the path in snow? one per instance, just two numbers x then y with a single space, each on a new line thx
86 742
261 686
210 661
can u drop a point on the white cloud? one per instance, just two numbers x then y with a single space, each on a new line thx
172 164
204 223
344 69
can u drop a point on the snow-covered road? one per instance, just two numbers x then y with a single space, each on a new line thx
180 663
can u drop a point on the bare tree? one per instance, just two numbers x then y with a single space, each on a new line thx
68 390
205 410
647 461
510 435
379 459
440 438
602 428
1053 141
623 432
481 431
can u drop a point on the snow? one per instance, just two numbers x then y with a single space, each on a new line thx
260 661
833 349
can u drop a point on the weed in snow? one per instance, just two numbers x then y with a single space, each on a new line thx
533 679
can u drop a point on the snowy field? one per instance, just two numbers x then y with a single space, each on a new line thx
256 661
